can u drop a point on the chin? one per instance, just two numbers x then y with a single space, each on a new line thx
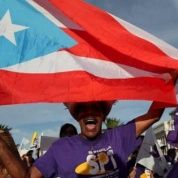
91 136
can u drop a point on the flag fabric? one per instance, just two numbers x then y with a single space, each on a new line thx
73 51
34 139
150 155
172 137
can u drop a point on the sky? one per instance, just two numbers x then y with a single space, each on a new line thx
159 17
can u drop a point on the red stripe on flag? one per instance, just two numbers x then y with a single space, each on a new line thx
90 47
102 38
122 46
79 86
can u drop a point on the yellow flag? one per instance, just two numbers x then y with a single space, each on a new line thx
34 137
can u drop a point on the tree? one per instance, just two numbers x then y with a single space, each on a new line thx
4 128
112 122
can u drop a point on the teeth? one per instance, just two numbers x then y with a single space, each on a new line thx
90 121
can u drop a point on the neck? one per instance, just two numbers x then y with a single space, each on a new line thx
90 138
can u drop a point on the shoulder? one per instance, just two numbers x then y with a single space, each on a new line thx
123 132
124 127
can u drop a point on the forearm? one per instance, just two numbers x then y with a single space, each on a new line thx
145 121
154 113
12 162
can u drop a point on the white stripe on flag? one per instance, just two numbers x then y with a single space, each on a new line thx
165 47
63 61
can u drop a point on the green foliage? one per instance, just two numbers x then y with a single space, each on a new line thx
112 122
5 128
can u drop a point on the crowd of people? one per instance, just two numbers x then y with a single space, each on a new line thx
90 153
136 170
30 155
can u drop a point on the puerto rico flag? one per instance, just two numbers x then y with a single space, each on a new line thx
67 51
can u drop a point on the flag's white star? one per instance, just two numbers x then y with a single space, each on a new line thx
7 29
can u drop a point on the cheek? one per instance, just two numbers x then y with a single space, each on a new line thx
82 125
101 119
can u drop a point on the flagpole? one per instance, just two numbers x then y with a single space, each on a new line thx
20 147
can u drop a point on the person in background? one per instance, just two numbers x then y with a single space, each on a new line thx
171 155
67 130
174 171
28 158
131 164
171 158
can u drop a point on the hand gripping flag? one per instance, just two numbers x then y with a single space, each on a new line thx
61 51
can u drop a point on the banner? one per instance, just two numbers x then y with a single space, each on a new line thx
71 47
46 142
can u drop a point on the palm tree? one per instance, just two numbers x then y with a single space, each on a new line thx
4 128
112 122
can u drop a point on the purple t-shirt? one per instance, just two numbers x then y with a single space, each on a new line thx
76 157
174 171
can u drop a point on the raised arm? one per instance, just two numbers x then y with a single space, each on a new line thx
13 163
145 121
154 114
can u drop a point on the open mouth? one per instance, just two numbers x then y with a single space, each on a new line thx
90 120
90 123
